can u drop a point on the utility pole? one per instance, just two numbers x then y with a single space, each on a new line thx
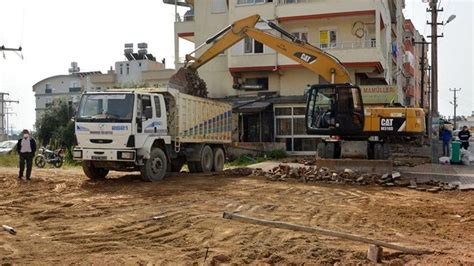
3 101
9 126
455 104
434 54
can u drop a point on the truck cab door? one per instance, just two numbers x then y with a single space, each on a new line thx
334 109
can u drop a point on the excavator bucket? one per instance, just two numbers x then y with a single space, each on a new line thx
188 81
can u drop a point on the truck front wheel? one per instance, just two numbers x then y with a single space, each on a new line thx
154 169
93 172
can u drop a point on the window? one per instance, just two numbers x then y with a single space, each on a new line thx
128 69
252 46
252 2
121 69
218 6
255 84
328 38
75 89
47 89
157 106
301 35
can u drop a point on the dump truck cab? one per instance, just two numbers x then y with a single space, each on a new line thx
115 127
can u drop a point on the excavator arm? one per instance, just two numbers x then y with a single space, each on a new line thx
312 58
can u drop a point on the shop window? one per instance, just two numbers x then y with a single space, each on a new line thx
283 126
290 128
283 111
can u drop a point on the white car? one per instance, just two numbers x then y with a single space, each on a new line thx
7 147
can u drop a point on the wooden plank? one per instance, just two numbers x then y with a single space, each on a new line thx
319 230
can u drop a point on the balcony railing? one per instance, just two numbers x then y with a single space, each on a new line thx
347 45
184 18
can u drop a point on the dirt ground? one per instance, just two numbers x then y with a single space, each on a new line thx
63 218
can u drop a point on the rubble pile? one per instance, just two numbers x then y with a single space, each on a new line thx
240 171
314 174
188 81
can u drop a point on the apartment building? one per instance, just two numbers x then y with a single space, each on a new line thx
61 86
415 91
365 35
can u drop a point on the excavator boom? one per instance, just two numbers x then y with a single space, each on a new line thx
312 58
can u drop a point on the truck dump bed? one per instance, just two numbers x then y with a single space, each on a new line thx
194 119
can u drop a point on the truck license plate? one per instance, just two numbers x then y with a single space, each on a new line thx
99 157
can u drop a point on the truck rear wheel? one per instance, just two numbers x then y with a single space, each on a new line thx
93 172
219 159
154 169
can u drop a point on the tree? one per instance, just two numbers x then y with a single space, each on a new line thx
55 124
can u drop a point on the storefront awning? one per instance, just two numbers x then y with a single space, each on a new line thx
251 108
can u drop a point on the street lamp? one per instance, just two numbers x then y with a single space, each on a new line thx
451 18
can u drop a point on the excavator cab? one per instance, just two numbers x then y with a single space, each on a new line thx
334 109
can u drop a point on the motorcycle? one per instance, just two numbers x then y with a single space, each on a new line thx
48 156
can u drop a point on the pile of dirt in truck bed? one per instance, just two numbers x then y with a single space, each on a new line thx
188 81
63 218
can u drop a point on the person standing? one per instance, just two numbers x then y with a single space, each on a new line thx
464 136
446 136
26 148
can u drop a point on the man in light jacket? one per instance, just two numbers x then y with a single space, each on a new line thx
26 148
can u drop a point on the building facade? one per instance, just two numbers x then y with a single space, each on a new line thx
365 35
68 86
416 76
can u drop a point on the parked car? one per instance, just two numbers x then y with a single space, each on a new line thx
7 147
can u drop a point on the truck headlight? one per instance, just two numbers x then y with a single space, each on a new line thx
77 154
126 155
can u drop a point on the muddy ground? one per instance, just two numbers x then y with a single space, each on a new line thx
63 218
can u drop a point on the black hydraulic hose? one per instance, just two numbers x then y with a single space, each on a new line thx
219 34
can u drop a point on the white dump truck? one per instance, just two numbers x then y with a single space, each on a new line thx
153 131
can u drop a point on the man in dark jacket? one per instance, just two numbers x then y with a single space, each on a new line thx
446 135
464 136
26 148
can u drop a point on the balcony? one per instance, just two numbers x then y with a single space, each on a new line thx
363 55
185 26
306 9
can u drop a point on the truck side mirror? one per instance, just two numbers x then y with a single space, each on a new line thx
148 112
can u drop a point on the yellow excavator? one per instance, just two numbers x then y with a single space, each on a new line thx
335 110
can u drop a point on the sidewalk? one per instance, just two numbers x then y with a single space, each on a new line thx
454 174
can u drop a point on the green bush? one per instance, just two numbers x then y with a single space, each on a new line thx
244 160
9 160
276 154
68 157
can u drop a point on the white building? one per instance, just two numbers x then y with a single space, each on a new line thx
61 86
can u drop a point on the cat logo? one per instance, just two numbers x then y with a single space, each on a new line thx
305 57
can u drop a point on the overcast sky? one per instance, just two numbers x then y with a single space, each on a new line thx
92 33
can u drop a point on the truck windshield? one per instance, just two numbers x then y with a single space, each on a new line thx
106 108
